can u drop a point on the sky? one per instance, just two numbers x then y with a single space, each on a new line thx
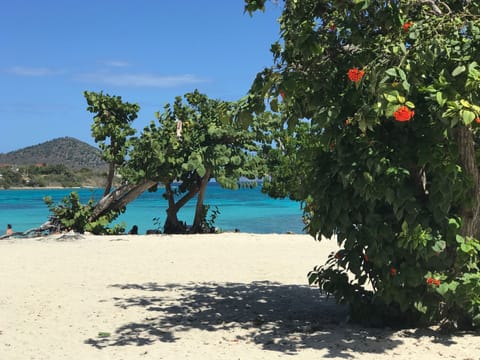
146 51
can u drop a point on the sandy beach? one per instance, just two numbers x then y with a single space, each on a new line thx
223 296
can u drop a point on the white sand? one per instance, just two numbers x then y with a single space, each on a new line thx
227 296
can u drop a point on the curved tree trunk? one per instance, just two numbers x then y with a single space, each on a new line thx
109 181
120 197
172 224
199 209
470 212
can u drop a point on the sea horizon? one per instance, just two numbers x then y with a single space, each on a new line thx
244 210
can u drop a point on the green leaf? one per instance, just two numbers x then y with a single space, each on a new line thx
390 98
439 246
440 99
201 170
391 72
467 116
442 289
466 248
458 70
420 307
406 85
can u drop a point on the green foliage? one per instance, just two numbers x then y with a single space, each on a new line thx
380 101
111 124
195 140
111 129
73 215
48 175
207 225
10 177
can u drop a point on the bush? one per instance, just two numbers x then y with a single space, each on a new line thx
73 215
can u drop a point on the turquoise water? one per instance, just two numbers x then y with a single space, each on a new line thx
245 209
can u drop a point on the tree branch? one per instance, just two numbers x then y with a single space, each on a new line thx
435 9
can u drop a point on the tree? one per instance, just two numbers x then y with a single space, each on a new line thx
390 92
197 139
111 129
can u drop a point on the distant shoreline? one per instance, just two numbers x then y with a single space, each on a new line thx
49 187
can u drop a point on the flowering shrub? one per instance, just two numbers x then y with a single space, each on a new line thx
403 202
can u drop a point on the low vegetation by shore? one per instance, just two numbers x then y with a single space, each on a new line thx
49 176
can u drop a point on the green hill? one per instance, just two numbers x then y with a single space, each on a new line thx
67 151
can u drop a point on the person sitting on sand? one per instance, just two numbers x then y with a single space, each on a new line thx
133 230
9 230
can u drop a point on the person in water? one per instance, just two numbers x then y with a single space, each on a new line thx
9 230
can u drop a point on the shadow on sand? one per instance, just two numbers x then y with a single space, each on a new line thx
277 317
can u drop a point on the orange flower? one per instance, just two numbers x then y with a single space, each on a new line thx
403 113
355 74
393 271
432 281
407 25
477 120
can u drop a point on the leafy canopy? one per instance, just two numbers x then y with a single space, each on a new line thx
381 99
194 140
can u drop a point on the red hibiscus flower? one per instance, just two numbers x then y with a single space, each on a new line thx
432 281
393 271
355 74
403 113
407 25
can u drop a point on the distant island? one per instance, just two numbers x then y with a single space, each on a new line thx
61 162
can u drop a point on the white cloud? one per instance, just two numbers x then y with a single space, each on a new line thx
116 63
141 80
32 71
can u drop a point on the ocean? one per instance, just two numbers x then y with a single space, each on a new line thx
248 210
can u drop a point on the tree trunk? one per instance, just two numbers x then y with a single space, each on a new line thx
470 212
109 182
172 224
199 209
119 198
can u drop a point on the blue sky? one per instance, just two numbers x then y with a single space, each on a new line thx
147 51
